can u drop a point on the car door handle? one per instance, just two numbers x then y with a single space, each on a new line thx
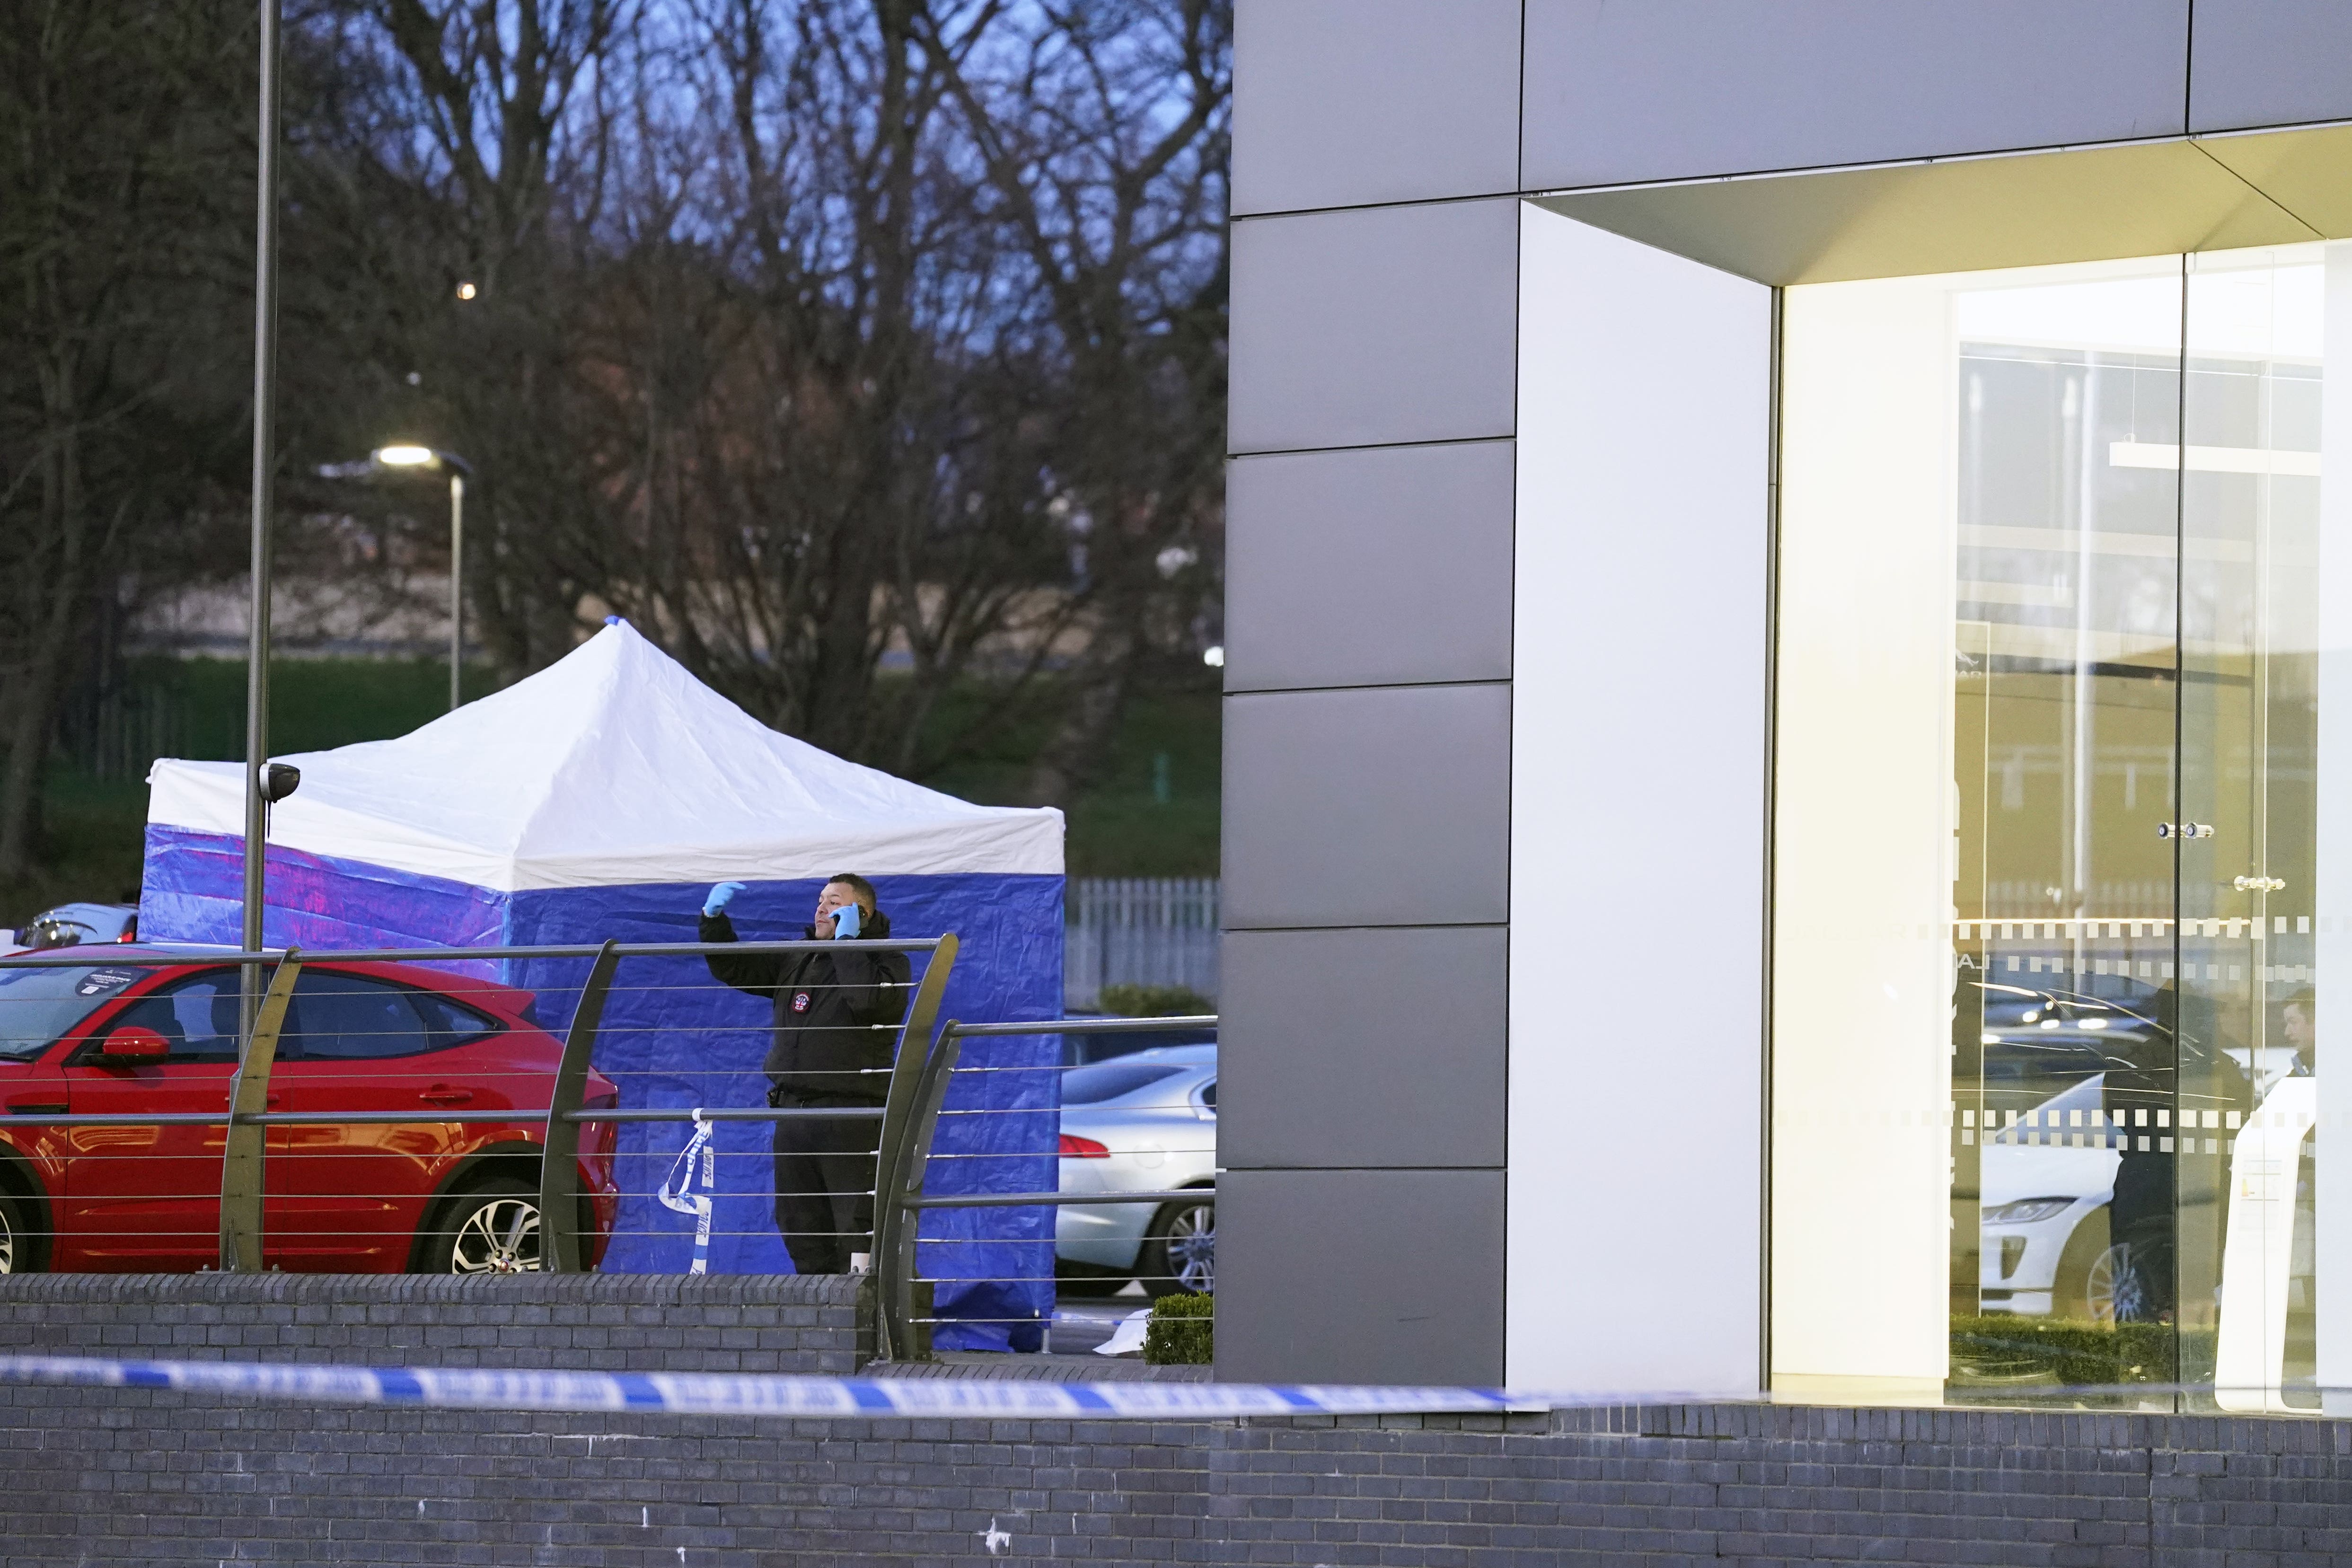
36 1108
446 1094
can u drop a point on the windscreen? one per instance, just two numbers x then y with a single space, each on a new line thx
38 1006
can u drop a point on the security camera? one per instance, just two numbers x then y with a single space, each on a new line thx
278 781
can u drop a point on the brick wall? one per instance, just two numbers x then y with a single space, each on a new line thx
612 1322
140 1476
135 1475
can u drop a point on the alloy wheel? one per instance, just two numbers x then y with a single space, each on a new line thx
2114 1289
1192 1248
500 1236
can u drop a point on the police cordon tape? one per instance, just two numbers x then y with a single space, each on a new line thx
738 1394
716 1393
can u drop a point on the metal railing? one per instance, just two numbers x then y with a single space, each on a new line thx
1138 930
247 1117
910 1115
902 1293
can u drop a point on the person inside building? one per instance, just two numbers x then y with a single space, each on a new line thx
2295 1019
837 1014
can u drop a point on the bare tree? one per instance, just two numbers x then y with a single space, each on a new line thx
118 185
467 156
813 338
1102 128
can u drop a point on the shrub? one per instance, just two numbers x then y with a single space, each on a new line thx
1182 1332
1154 1001
2000 1349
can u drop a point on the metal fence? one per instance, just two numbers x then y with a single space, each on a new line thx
1138 930
380 1113
405 1110
1165 1245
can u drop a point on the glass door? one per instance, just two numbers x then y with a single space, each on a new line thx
2254 555
2063 835
2065 689
1973 1051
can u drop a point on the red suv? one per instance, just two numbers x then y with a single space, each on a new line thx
116 1038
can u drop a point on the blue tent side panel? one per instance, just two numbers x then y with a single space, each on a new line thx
193 889
672 1037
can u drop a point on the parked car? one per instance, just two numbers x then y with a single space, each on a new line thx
124 1040
70 925
1081 1050
1145 1121
2070 1076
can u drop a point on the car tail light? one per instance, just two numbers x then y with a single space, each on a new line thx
1077 1148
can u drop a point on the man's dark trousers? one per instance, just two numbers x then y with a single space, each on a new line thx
825 1185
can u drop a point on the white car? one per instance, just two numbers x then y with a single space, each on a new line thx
2042 1223
1142 1122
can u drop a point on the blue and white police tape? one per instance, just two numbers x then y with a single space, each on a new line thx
677 1189
711 1393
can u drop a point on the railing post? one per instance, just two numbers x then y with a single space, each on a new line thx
558 1162
907 1067
248 1096
903 1339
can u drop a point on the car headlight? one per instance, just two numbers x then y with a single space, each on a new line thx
2026 1211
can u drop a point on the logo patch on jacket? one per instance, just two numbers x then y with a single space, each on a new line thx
800 1000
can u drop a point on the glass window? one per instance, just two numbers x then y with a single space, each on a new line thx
1109 1081
338 1016
448 1023
37 1007
2064 601
200 1016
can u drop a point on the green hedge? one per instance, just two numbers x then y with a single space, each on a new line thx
1182 1332
1132 1000
2004 1349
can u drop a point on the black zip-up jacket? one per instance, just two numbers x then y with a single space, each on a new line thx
836 1012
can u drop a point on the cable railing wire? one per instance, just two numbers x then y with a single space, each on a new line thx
908 1120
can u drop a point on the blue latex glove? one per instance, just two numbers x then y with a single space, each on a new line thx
718 898
844 921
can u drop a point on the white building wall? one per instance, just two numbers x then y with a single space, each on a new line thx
1633 1190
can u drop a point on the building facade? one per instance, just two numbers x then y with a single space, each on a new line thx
1789 696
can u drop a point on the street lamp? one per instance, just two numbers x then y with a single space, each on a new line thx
425 459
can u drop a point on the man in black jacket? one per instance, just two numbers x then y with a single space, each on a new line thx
836 1020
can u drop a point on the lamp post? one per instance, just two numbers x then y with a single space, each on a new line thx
264 467
425 459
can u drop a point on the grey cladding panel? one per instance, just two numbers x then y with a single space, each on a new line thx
1368 328
1349 103
1361 1276
1387 807
1380 1049
1374 567
1669 89
2270 62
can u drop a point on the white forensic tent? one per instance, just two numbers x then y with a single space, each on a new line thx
600 798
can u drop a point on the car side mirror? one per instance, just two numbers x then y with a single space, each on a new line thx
133 1044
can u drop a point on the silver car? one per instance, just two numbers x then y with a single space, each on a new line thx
1145 1123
